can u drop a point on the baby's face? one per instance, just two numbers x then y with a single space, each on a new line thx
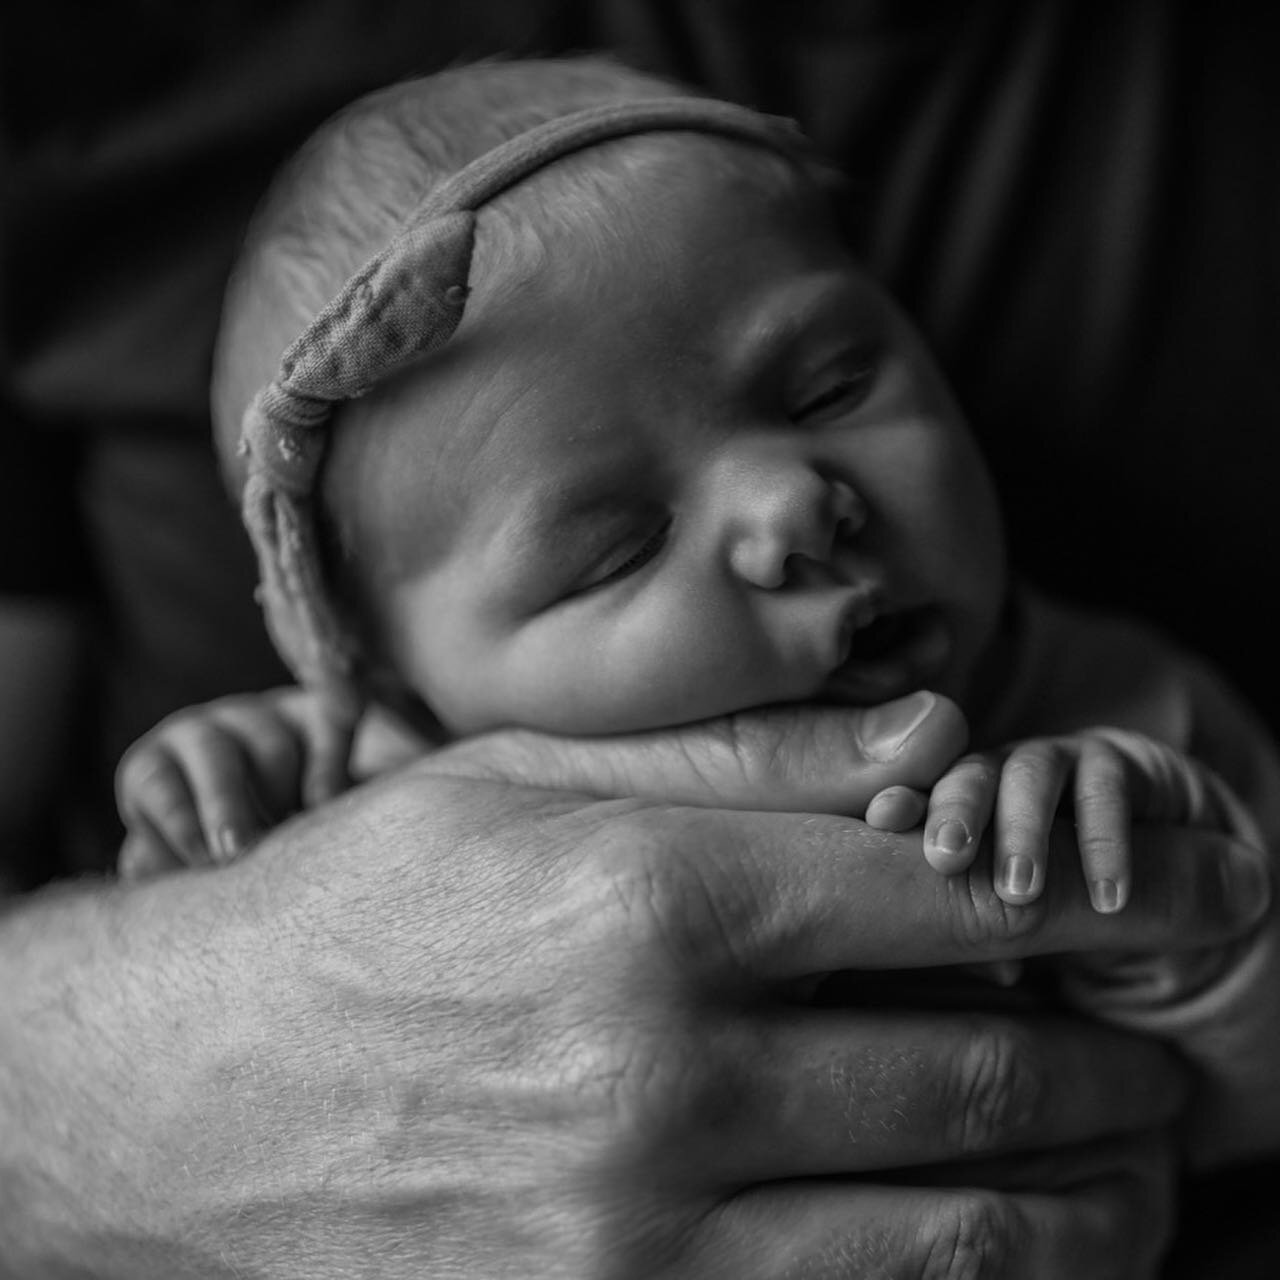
715 471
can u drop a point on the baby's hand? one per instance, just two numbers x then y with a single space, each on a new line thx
208 780
1110 776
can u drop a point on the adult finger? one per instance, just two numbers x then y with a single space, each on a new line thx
1115 1224
788 1095
808 897
791 758
1154 1155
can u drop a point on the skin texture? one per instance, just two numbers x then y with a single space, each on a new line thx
530 1033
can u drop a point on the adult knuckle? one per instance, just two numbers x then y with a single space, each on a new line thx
663 895
1001 1088
672 1090
972 1236
643 885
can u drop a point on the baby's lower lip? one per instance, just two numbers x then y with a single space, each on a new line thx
897 653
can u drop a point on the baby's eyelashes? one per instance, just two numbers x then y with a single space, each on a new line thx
629 558
839 388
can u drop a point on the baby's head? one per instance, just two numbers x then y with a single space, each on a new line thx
680 457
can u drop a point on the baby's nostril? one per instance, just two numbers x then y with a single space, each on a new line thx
845 529
849 509
804 571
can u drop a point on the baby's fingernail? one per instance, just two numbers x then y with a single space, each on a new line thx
1018 875
951 836
1106 896
883 731
227 844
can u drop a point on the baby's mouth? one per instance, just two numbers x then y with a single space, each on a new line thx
888 653
876 638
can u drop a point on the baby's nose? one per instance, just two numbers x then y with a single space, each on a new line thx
790 517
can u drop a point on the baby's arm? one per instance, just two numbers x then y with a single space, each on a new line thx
208 781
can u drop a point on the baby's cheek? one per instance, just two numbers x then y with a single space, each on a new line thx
648 674
673 653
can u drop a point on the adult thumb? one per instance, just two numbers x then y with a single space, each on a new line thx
796 757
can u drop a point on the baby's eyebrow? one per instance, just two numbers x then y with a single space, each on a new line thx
774 331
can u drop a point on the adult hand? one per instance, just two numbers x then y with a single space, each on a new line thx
791 758
452 1027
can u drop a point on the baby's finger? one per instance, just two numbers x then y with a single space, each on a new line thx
1031 786
143 854
1103 823
220 785
325 774
152 792
896 809
272 745
959 810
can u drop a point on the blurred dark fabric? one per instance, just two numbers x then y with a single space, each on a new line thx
1078 201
